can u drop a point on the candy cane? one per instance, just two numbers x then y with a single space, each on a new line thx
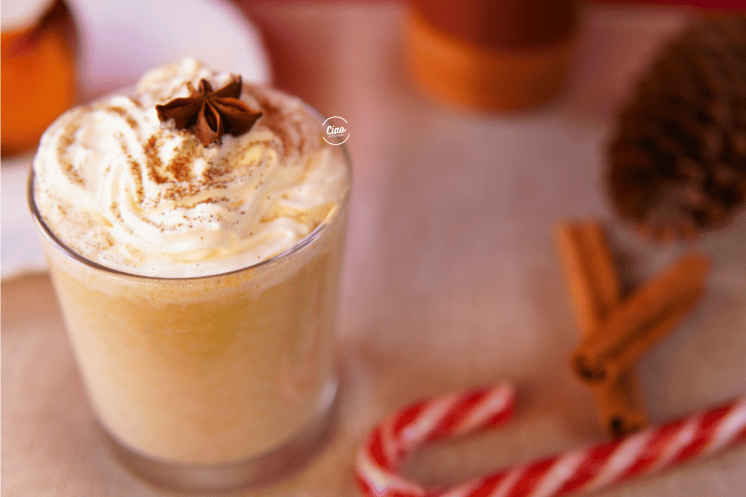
590 468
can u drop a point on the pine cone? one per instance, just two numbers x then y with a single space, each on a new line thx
678 158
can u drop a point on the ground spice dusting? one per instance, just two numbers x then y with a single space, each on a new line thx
118 214
137 176
134 169
122 112
191 190
216 172
67 138
122 144
108 241
180 165
115 210
275 121
154 162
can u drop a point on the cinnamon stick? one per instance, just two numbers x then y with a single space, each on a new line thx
595 291
621 404
615 343
601 268
585 302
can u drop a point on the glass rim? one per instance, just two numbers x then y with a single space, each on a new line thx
317 232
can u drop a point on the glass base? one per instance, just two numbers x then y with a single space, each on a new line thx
262 469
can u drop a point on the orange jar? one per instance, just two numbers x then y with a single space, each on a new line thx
39 47
490 54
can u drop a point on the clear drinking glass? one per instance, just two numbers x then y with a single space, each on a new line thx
214 381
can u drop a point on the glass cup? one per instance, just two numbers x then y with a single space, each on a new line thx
208 382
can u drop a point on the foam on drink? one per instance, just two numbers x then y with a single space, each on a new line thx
124 190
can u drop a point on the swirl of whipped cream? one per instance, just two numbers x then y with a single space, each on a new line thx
124 190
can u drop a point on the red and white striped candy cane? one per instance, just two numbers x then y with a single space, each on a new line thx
590 468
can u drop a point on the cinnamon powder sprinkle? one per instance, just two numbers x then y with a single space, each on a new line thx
63 152
137 176
277 123
134 168
114 207
154 162
272 118
177 192
180 164
120 111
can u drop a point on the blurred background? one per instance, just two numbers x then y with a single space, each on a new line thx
475 127
60 52
499 59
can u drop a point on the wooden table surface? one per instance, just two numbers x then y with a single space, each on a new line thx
451 277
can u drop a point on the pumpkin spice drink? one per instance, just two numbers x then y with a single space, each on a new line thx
194 229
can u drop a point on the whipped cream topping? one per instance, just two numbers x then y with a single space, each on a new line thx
124 190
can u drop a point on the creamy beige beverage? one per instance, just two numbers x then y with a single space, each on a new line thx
197 271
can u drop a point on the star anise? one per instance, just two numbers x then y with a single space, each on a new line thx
210 114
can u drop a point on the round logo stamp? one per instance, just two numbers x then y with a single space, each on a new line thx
335 130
